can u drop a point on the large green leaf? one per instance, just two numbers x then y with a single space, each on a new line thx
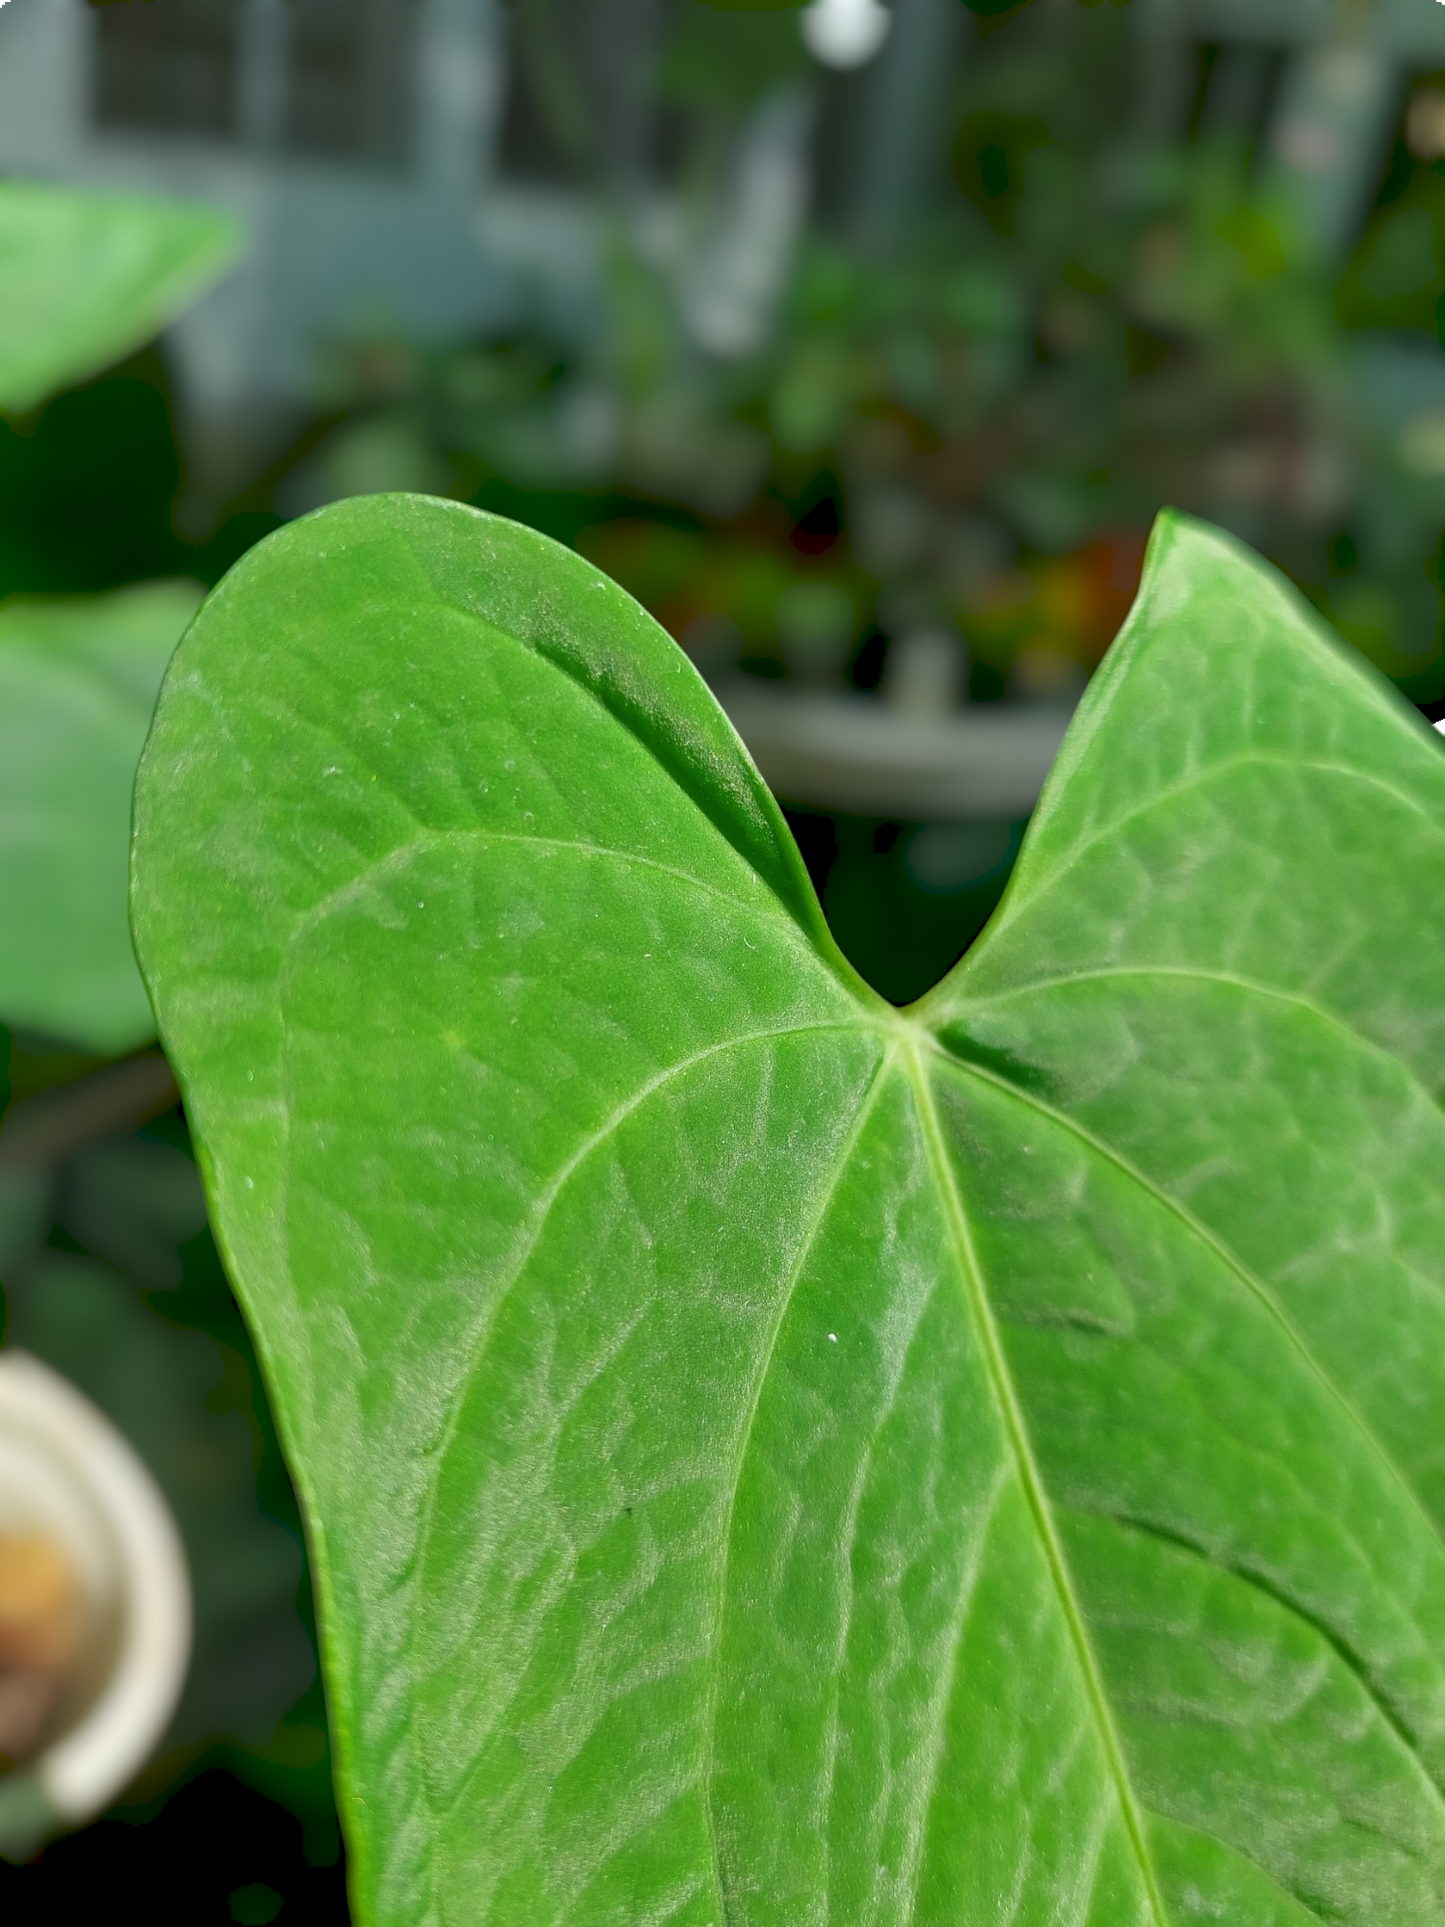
773 1459
85 278
78 682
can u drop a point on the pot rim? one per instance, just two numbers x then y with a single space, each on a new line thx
78 1773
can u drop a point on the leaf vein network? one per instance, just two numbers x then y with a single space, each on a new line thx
1342 1649
530 1237
1109 832
1188 974
1255 1286
816 1219
765 906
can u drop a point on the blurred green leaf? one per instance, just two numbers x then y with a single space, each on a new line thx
1395 277
78 682
716 54
776 1458
85 278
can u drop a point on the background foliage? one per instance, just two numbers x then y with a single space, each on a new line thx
109 1270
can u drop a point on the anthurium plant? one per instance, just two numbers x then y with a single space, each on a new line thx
772 1457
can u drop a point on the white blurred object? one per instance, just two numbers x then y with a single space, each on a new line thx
925 673
66 1473
1425 124
731 288
1331 129
845 33
1441 724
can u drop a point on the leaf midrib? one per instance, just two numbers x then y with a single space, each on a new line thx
1030 1476
1256 1287
909 1044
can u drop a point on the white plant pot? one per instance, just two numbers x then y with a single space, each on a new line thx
66 1472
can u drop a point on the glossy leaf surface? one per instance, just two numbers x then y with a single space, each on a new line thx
771 1459
85 278
78 682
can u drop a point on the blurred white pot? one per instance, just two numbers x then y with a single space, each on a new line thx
848 752
67 1473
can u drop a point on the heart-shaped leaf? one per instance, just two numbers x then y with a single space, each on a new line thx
85 278
78 682
775 1459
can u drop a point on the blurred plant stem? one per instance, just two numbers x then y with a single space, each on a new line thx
903 128
52 1125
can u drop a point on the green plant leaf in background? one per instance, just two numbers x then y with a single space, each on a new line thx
776 1459
85 278
78 682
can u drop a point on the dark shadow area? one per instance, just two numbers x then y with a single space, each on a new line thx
215 1853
